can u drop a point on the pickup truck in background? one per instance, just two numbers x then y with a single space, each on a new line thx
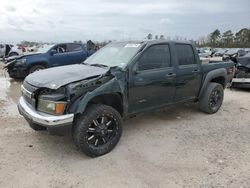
47 57
120 80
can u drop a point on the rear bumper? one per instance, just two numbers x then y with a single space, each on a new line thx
46 120
241 82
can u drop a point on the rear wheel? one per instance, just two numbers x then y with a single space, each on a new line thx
37 127
36 68
98 130
211 100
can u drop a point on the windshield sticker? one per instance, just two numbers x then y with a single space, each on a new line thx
132 45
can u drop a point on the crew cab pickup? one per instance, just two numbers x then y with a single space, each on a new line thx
47 57
118 81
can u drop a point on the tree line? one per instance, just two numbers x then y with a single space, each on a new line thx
227 39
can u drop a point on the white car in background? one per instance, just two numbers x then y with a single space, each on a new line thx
9 50
203 53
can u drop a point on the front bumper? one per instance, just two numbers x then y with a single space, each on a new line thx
46 120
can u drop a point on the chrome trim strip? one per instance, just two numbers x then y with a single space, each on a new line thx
26 92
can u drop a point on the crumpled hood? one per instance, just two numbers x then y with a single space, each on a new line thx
22 56
54 78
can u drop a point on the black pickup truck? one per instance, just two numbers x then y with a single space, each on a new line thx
120 80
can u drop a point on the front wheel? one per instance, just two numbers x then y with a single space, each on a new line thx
98 130
212 98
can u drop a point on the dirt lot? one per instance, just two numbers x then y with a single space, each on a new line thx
175 147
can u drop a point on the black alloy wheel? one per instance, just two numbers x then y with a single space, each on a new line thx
98 130
102 130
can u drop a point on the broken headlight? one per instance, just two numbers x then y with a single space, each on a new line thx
51 107
21 61
52 102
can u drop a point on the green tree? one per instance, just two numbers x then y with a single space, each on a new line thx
162 37
150 36
214 37
228 38
242 37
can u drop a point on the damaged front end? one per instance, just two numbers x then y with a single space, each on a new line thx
242 75
16 68
56 105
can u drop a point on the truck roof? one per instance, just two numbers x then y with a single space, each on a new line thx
154 41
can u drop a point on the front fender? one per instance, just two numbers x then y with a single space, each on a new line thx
37 61
112 86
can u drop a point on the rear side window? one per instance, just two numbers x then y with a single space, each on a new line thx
73 47
155 57
185 54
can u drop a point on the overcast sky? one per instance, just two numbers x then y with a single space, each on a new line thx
58 20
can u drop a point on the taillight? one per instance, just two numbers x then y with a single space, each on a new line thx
231 70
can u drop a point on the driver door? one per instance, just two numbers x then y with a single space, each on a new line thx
60 57
153 83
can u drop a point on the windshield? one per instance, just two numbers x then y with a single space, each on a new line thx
115 54
44 48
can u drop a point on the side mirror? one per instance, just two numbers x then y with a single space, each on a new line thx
53 52
135 68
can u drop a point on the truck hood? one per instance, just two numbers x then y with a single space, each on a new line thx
53 78
22 56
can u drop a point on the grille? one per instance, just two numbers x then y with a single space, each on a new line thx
28 93
29 87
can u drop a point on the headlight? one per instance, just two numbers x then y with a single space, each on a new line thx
51 107
21 61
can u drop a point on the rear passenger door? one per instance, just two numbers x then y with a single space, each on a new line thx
76 53
188 72
153 83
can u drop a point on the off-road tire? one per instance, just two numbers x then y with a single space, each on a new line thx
37 127
36 68
205 102
83 124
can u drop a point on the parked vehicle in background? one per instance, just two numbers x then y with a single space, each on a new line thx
47 57
118 81
9 50
242 75
203 53
220 52
231 54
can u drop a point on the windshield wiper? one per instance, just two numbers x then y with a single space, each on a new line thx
98 65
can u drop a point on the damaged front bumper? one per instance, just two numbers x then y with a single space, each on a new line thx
46 120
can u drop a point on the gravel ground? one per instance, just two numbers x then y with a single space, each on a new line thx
175 147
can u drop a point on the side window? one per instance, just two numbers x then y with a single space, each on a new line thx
157 56
60 48
185 54
73 47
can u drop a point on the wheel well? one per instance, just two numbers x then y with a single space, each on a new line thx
39 63
220 80
13 53
114 100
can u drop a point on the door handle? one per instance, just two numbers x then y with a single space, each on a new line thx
171 75
196 71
